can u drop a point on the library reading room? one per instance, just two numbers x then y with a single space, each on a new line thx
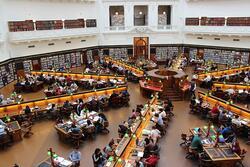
124 83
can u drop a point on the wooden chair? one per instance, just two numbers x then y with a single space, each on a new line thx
26 127
205 161
90 131
4 140
76 139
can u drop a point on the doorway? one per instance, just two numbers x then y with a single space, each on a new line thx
141 48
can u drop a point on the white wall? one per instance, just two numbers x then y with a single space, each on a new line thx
12 10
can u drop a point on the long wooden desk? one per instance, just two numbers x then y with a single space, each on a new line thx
222 156
149 89
234 86
128 143
138 72
79 76
126 154
17 108
15 130
223 72
242 112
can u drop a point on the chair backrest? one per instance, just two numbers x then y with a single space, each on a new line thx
90 129
106 124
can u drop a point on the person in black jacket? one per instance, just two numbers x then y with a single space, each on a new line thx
98 158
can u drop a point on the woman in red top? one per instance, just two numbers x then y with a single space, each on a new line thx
152 160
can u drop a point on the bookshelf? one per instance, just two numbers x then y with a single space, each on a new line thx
90 56
162 53
49 24
213 21
192 21
91 23
7 74
58 61
238 21
69 24
192 53
229 57
27 65
118 53
15 26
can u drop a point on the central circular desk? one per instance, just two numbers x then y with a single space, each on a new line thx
169 79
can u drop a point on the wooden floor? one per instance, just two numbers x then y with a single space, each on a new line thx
31 151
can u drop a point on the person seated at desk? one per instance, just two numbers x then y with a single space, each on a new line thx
148 147
123 129
230 91
152 160
222 116
215 111
246 79
1 98
236 147
226 131
242 74
41 78
98 158
27 110
75 157
74 87
196 143
18 83
108 150
155 134
158 119
66 104
52 110
236 120
74 129
79 108
27 82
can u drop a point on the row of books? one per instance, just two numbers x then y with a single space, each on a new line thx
7 74
229 57
218 21
162 53
30 25
70 60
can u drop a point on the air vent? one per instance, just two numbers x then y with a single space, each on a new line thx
217 39
199 38
236 39
50 44
31 46
83 40
68 42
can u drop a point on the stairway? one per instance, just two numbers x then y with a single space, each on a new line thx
172 94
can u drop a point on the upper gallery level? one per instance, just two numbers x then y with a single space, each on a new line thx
25 20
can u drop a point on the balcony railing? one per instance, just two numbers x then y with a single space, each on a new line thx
159 28
218 30
27 36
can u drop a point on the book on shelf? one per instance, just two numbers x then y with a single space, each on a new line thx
192 21
15 26
78 23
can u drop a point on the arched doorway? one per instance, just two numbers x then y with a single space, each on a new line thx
141 48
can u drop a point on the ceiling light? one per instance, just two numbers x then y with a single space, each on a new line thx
140 13
116 13
164 13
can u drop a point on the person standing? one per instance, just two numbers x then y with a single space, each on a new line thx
75 157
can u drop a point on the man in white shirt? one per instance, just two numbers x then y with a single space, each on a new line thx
207 79
75 157
155 134
230 91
